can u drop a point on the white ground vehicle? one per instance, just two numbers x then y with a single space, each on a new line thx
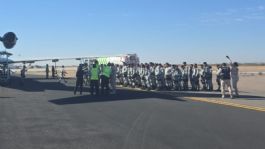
120 59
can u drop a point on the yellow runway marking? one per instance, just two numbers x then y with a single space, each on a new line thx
227 103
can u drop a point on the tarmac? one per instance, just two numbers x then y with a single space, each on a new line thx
44 114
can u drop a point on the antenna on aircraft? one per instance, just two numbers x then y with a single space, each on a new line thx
9 40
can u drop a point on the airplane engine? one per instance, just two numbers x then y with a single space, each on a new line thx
9 40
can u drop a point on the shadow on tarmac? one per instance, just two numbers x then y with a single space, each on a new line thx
209 95
122 94
35 85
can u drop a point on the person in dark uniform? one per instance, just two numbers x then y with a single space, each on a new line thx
105 78
53 72
47 71
79 79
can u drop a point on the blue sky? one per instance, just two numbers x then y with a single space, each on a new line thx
157 30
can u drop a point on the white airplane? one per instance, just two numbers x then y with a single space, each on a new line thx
9 40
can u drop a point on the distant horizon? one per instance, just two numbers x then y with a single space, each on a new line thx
76 62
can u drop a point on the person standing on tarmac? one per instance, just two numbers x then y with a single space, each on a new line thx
208 76
47 71
23 74
218 79
196 77
168 76
63 74
185 77
79 79
234 75
106 72
192 81
94 79
225 76
53 72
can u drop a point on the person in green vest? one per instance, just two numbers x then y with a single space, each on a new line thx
94 79
106 72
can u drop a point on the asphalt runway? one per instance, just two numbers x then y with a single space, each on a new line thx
45 114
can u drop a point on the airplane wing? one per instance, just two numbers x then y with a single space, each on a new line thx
49 59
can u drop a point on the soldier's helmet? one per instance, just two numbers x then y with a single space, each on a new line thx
235 64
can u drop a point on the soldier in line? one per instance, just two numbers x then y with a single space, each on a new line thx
130 75
168 76
208 76
218 78
159 76
136 76
196 77
119 74
202 74
176 76
125 75
142 76
191 77
185 77
148 77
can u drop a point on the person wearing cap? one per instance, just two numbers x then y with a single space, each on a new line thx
225 77
176 76
152 75
159 76
208 76
47 71
234 77
168 76
105 78
185 76
125 75
218 80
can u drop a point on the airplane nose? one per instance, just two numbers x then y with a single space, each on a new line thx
9 40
